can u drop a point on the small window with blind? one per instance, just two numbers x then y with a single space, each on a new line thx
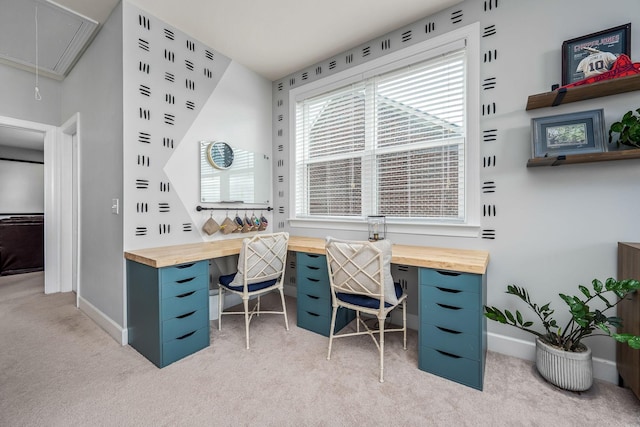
392 142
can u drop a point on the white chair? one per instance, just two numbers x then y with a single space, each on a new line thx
360 279
261 267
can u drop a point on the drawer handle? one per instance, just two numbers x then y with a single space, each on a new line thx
313 314
313 296
185 280
449 307
186 315
310 267
313 255
444 353
451 291
185 265
186 335
188 294
312 280
450 331
447 273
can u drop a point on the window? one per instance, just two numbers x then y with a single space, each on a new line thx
390 141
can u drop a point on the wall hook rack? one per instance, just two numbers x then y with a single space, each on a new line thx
259 208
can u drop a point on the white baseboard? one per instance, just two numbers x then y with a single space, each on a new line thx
603 369
112 328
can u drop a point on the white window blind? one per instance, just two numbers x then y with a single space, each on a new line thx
392 144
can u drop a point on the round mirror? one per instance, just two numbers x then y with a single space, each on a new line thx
220 155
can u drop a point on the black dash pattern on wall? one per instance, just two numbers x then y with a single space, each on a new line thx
406 36
142 184
141 231
491 55
188 64
490 135
318 70
489 83
488 109
208 54
280 133
144 160
429 27
143 44
490 4
489 187
191 46
280 102
144 67
165 187
190 84
332 64
305 76
169 99
456 17
366 51
164 228
144 137
280 86
169 55
169 34
169 77
190 105
145 114
164 207
208 73
280 117
292 81
489 234
169 119
349 58
144 22
489 30
489 161
142 207
385 44
167 142
489 210
187 226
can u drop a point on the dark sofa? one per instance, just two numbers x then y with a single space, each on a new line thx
21 244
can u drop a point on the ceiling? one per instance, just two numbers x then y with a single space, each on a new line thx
274 38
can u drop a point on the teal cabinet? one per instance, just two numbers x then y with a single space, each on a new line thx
168 310
314 296
452 337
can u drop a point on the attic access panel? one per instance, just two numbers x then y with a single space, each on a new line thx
62 36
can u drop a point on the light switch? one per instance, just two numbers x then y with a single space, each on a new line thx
115 206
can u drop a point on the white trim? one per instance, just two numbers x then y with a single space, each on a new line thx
603 369
112 328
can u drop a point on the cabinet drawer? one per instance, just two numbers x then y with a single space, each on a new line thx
451 280
312 261
317 288
186 323
314 304
184 271
447 296
454 342
184 303
321 324
184 345
180 287
459 319
456 368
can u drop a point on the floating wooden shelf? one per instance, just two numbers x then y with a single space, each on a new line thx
580 93
570 159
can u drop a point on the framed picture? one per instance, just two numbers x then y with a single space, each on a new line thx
594 53
575 133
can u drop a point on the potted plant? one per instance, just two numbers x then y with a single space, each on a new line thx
561 356
628 130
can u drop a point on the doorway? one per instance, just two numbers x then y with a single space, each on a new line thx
60 240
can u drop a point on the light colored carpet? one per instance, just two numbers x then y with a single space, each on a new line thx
57 368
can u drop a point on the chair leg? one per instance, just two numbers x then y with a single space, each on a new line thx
245 301
220 305
284 309
333 325
404 322
381 327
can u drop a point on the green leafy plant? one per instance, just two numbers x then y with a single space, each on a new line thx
584 319
628 130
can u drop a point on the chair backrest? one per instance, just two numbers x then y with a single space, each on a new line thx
263 257
355 267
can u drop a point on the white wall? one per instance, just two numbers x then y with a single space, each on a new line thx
555 228
21 187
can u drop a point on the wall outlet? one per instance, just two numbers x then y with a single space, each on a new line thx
115 206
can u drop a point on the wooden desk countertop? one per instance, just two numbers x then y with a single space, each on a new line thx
461 260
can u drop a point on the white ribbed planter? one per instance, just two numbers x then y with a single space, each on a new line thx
567 370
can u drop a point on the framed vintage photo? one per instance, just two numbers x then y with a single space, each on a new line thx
598 50
574 133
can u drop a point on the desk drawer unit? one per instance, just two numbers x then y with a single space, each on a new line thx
314 296
168 310
452 338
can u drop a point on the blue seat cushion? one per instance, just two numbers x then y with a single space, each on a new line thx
364 301
228 278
